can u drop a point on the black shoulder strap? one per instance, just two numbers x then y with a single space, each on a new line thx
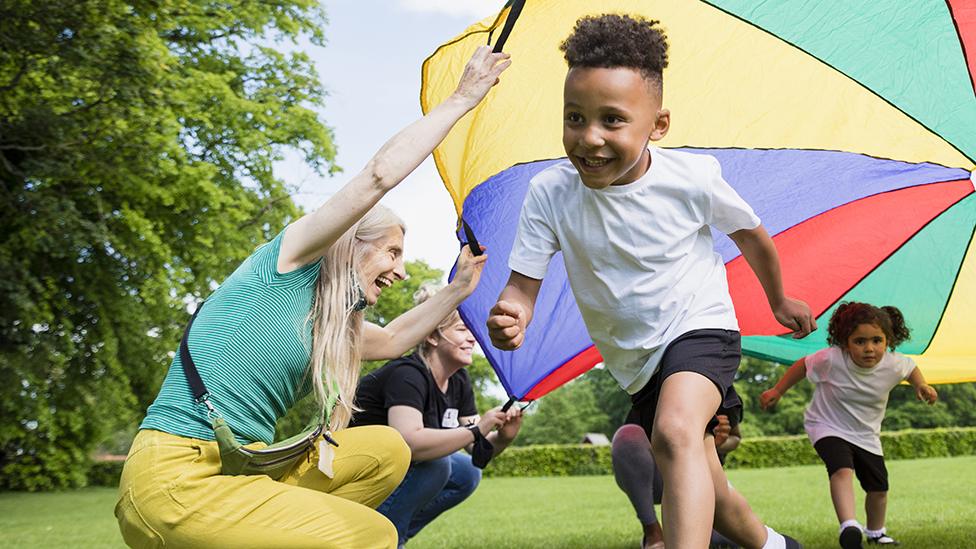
197 387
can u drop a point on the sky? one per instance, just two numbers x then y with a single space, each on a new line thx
370 67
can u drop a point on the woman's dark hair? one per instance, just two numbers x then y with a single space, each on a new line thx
611 41
850 315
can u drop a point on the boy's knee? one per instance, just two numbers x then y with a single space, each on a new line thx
673 436
843 472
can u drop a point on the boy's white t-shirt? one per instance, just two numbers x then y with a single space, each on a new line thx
849 401
639 257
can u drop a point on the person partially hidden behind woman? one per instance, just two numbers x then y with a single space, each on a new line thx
288 321
428 398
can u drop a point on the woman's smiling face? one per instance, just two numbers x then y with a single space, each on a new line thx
382 264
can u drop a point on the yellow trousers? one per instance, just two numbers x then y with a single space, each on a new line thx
172 494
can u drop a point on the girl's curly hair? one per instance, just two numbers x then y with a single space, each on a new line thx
611 41
850 315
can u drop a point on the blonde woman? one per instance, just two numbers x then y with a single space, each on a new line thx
288 321
428 398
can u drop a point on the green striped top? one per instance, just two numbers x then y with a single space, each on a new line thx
251 345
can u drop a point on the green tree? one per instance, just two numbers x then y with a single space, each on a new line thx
137 141
563 416
483 379
754 377
954 409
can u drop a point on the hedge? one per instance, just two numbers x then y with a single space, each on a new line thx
105 473
585 459
569 460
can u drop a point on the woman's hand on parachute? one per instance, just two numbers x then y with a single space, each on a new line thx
480 74
492 420
513 422
469 270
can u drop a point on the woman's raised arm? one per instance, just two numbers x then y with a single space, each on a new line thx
308 238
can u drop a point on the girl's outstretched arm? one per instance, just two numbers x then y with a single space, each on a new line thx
924 391
793 375
308 238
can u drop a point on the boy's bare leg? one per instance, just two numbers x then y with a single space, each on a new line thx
633 468
687 403
734 518
842 493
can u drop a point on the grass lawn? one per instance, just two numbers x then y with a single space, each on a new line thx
932 505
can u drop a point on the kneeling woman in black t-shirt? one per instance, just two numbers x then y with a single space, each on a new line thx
427 397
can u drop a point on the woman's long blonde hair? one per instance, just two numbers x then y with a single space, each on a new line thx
336 324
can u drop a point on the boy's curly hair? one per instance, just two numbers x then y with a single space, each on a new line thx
850 315
612 41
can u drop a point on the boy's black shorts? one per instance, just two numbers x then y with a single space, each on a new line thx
712 353
870 469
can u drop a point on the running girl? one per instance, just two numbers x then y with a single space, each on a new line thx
852 379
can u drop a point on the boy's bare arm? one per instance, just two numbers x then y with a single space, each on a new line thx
760 253
511 315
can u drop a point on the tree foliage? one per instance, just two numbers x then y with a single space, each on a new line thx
594 403
137 141
564 416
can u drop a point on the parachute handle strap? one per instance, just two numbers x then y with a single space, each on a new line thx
513 14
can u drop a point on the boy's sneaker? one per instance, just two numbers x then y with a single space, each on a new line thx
883 539
850 538
791 543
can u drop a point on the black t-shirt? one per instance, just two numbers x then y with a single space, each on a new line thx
406 381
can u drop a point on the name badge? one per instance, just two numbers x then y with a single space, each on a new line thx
450 420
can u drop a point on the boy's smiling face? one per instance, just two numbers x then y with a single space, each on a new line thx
608 117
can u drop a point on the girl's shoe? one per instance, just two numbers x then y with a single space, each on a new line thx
883 539
850 538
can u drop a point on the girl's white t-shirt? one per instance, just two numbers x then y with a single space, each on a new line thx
639 257
849 401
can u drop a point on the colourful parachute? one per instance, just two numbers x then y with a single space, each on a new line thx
850 127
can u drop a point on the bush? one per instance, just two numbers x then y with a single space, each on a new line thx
573 460
105 473
551 460
568 460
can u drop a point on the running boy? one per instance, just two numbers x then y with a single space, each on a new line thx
852 379
633 223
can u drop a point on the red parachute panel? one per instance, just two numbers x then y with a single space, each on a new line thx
575 367
828 254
